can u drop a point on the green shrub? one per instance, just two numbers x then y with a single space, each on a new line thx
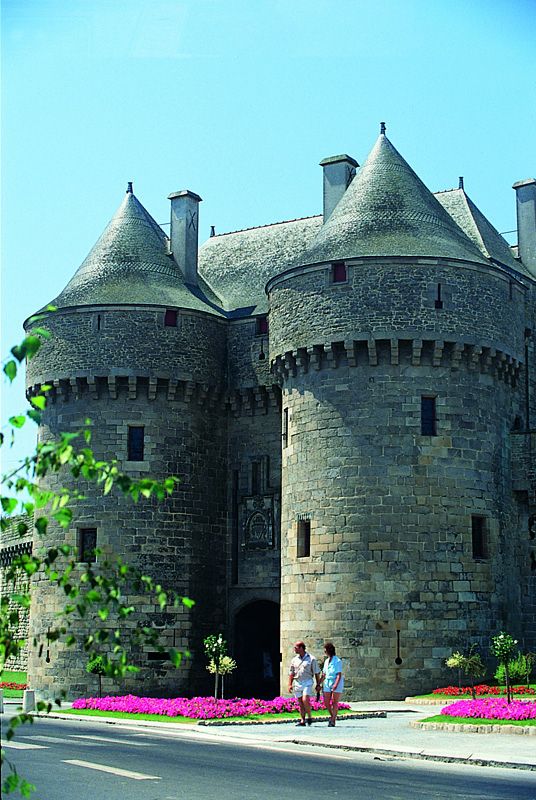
519 670
96 666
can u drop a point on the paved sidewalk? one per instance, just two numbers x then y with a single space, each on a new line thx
394 736
390 736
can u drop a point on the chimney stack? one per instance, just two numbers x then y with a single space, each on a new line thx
526 222
184 232
338 174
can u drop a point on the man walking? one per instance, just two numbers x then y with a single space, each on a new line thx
301 675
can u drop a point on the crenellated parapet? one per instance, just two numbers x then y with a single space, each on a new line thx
250 401
254 401
416 352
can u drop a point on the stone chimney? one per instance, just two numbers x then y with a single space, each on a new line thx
184 232
338 174
526 222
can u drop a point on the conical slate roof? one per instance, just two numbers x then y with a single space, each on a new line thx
388 211
130 264
473 222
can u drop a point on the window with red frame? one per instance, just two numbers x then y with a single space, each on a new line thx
339 273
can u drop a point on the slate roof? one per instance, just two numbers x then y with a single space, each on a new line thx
238 265
473 222
388 211
130 265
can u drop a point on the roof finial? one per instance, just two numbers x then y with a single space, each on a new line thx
382 127
460 182
212 230
129 188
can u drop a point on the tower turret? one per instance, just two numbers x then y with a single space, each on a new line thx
397 500
138 352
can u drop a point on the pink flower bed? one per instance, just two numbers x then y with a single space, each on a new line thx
492 708
196 707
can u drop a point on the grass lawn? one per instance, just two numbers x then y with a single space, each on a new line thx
478 720
12 676
188 720
452 698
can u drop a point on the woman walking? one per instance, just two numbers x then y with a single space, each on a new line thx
333 682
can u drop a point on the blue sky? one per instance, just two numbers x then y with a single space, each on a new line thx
239 101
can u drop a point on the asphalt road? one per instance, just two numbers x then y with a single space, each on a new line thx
95 761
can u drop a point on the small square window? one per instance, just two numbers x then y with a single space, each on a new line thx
478 537
87 544
170 318
428 416
261 326
136 441
339 273
304 538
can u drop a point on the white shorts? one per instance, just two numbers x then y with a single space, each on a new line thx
302 689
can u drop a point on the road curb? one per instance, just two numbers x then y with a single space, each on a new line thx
520 730
213 723
479 762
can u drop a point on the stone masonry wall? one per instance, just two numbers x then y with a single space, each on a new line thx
390 513
12 544
130 341
392 298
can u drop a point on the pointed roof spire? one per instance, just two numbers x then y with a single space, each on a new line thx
388 211
382 128
479 229
460 182
129 188
130 264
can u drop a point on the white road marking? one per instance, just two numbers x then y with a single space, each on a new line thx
214 740
109 739
51 739
24 746
124 773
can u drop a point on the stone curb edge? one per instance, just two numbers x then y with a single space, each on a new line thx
523 730
354 715
204 723
479 762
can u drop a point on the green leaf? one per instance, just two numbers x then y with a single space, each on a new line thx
21 600
41 523
63 517
17 422
9 504
10 370
38 401
175 656
186 601
34 415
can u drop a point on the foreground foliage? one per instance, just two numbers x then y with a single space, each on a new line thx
98 593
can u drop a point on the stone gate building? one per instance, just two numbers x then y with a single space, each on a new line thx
348 400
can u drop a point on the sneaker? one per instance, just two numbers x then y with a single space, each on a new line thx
309 721
331 724
300 724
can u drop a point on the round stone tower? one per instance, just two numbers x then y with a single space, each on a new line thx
398 345
137 347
